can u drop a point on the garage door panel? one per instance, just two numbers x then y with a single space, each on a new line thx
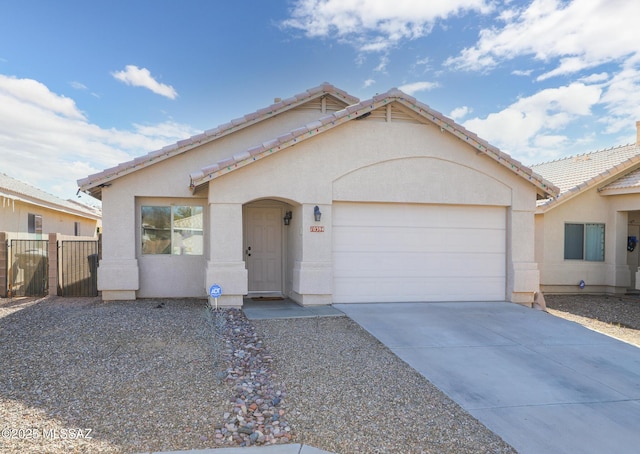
415 264
420 289
412 252
396 215
419 239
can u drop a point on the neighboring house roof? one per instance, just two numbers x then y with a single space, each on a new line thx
93 183
15 190
575 174
362 110
628 183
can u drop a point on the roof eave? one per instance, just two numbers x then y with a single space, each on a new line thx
603 178
49 205
544 187
101 179
620 191
199 178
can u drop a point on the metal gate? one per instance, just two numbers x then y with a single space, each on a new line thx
79 268
28 266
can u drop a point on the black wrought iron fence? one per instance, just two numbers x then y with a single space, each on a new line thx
78 268
27 267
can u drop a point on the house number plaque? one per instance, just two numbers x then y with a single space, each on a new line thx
317 228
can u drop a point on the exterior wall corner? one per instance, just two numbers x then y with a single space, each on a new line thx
117 278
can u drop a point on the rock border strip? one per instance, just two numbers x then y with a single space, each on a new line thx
257 414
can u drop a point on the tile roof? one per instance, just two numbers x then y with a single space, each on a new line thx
629 181
12 189
361 110
575 174
93 183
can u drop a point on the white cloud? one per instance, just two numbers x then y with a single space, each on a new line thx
527 128
569 65
141 77
382 66
47 142
521 72
375 25
415 87
369 82
594 78
580 34
460 112
621 98
78 85
37 96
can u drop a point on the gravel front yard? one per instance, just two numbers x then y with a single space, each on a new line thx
140 376
615 316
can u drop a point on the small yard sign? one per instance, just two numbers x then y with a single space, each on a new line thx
215 291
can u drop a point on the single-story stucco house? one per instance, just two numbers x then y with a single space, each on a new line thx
323 199
587 237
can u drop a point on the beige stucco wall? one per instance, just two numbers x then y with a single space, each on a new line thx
558 275
119 272
367 160
381 162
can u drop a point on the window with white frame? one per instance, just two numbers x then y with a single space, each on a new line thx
584 242
172 230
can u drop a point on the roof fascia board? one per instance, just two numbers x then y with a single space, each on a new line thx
450 126
355 111
100 179
619 191
283 142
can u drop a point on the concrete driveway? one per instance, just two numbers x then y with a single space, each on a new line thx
542 383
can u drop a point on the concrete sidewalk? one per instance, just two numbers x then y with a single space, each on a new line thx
285 308
542 383
294 448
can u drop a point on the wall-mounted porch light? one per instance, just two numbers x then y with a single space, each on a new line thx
287 217
317 214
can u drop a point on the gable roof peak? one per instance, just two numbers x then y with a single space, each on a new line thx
93 183
362 110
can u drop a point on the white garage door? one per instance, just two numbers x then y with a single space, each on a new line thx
411 252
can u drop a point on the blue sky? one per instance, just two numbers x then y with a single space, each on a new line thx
85 85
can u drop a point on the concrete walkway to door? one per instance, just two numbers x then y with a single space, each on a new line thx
542 383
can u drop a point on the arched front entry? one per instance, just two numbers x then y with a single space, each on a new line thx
268 246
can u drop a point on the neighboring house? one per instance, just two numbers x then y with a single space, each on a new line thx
323 199
586 238
29 212
32 224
